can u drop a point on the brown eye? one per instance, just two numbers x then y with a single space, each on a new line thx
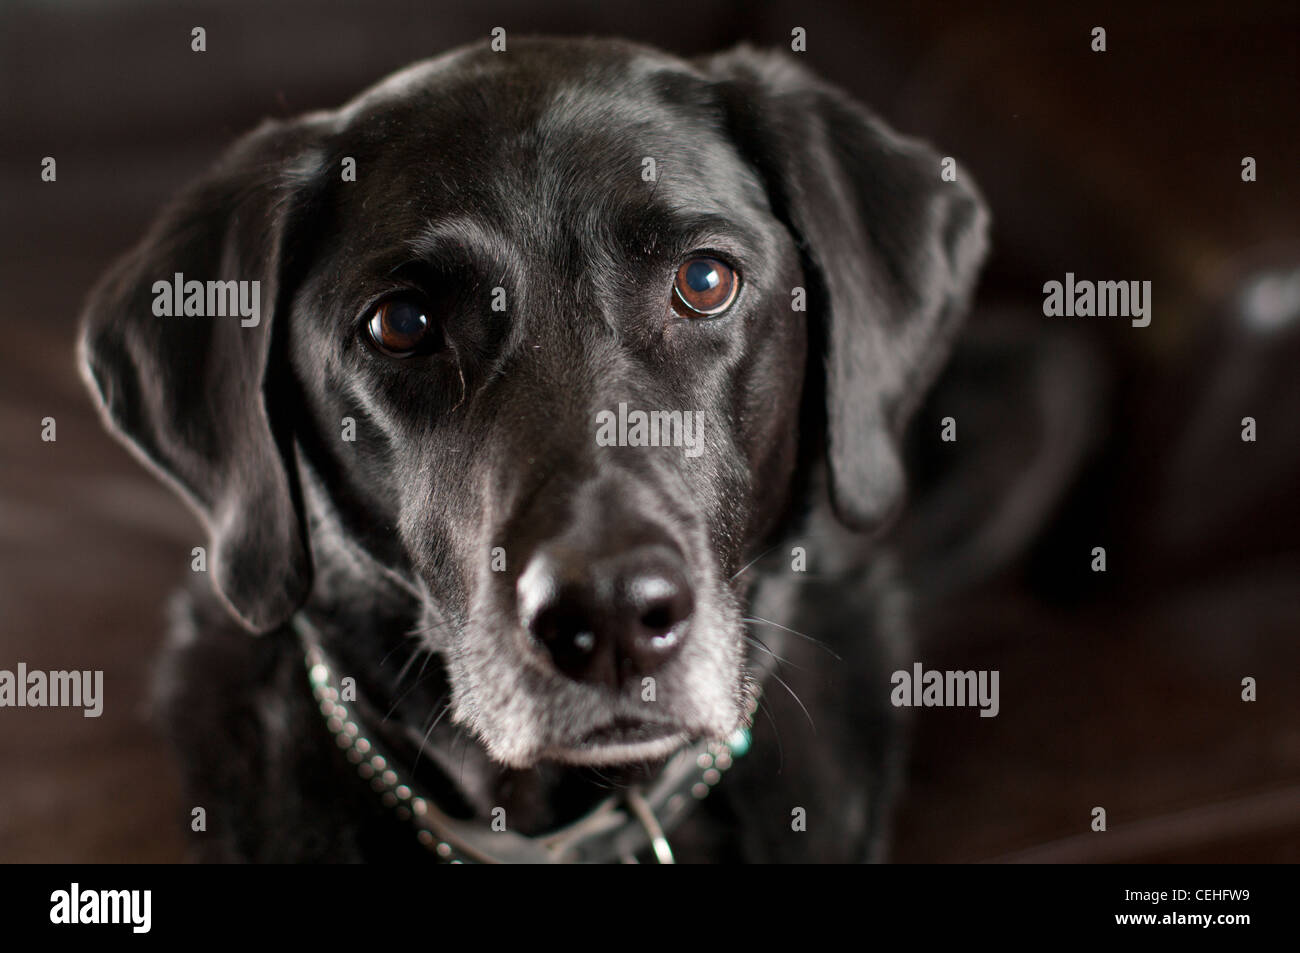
399 327
704 286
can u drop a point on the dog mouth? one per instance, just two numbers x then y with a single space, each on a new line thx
621 741
624 731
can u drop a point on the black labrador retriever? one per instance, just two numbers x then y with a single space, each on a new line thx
544 410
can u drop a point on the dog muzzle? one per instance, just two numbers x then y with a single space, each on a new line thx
636 821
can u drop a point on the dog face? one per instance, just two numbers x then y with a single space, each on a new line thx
552 360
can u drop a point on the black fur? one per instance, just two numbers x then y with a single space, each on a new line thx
522 170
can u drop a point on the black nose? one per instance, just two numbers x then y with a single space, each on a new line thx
610 618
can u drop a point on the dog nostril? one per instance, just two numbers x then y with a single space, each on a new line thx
566 635
660 617
663 602
557 629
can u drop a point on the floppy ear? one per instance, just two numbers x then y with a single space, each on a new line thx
189 393
892 249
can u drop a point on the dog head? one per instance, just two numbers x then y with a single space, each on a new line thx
543 339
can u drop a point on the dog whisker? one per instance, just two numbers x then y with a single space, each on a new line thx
425 741
751 563
605 781
780 681
817 642
437 626
428 657
758 644
389 654
400 698
771 549
460 780
406 666
766 709
441 699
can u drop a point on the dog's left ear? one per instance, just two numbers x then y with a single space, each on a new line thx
188 391
893 248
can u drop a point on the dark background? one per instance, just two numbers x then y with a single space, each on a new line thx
1120 690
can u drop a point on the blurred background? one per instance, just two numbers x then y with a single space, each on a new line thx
1120 689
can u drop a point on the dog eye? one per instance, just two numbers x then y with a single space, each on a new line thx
704 286
399 327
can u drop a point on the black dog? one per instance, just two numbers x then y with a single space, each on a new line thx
473 278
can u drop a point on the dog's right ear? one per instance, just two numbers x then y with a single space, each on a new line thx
188 392
893 249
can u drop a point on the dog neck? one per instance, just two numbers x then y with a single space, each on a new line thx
634 821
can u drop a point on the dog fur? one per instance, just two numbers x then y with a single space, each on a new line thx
522 171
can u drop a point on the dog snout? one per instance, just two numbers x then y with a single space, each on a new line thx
605 619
